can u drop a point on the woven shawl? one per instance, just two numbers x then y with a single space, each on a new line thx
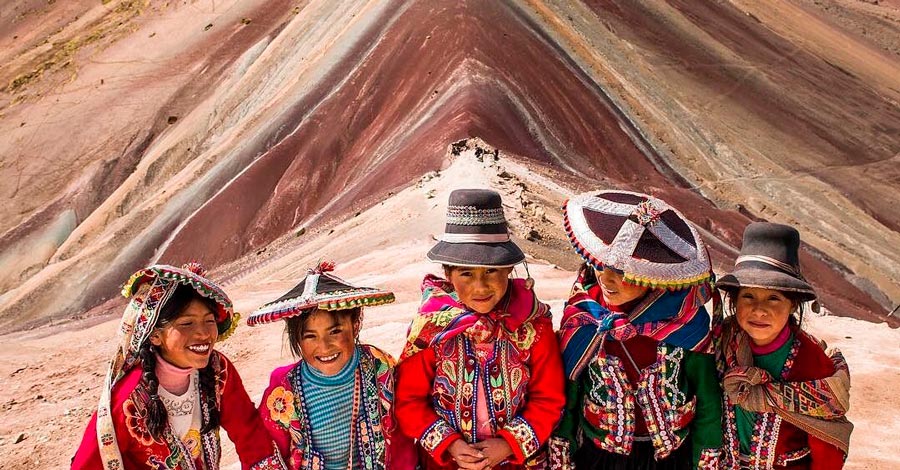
442 316
818 407
675 317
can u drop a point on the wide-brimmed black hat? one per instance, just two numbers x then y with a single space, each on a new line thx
769 259
319 290
643 236
476 233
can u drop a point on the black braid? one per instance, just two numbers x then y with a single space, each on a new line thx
157 418
208 394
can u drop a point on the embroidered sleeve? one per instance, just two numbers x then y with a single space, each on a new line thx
709 459
561 454
525 438
703 383
543 404
437 438
272 462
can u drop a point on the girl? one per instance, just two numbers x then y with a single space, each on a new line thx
332 409
168 392
642 387
785 399
480 380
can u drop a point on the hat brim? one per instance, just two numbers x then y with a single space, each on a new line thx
356 298
765 279
501 255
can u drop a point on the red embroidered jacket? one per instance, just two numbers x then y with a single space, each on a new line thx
795 449
237 415
526 386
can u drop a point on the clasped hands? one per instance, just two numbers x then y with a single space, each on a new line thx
482 455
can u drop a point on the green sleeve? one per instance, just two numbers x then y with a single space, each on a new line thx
568 426
703 382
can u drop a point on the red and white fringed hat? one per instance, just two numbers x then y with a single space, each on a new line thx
323 290
639 234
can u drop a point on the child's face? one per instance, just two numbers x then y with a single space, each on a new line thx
480 289
187 341
615 290
327 341
762 313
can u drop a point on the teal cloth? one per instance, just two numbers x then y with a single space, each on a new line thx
329 401
773 363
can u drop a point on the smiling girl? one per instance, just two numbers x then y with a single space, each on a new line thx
480 381
168 392
333 408
785 399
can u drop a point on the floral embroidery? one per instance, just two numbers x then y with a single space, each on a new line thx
662 403
765 432
525 436
611 402
435 434
281 406
136 422
615 410
273 462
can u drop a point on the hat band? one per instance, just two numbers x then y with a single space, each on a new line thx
474 237
771 262
471 215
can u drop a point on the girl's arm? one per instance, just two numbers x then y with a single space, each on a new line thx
416 416
564 443
824 455
531 428
245 427
706 427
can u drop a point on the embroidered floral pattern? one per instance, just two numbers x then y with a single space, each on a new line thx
270 463
288 414
281 406
435 434
610 404
136 421
525 436
662 403
504 376
765 432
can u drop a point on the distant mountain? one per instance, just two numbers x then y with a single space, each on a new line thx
134 132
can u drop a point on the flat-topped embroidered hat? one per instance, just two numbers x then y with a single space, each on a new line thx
769 259
476 233
639 234
320 289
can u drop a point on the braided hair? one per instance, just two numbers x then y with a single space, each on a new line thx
157 417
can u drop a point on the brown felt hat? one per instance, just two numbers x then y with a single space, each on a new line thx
476 233
769 259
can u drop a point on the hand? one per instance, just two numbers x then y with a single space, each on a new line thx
495 449
466 456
